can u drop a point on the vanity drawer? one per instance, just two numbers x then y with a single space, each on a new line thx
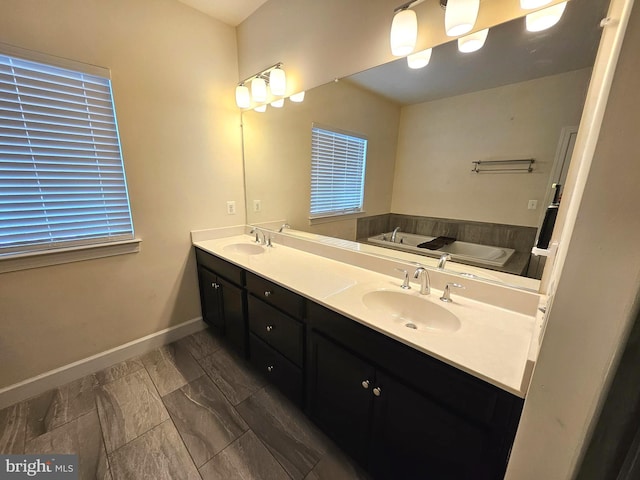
282 332
231 272
276 295
280 371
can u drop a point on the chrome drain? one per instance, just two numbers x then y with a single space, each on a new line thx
411 325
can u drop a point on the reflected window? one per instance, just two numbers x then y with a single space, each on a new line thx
338 161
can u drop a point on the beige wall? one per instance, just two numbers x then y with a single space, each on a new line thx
172 70
277 151
438 140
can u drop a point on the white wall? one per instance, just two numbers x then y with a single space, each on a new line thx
277 152
172 71
438 140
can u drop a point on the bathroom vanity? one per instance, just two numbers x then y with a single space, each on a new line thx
435 401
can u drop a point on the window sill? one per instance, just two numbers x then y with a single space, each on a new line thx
25 261
335 218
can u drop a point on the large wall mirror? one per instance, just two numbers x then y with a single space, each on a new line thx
519 97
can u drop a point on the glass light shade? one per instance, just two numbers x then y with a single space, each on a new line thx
243 99
547 18
298 97
277 82
404 33
278 103
420 59
473 42
460 16
259 90
529 4
261 108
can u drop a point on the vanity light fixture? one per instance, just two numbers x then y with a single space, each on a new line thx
460 16
259 89
546 18
278 82
473 42
419 59
297 97
243 98
404 31
272 78
278 103
261 108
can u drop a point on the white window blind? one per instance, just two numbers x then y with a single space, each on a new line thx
62 179
337 171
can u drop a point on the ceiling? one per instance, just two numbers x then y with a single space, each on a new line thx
231 12
510 55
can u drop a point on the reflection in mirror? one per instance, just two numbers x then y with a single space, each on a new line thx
519 97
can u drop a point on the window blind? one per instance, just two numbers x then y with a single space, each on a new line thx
337 172
62 179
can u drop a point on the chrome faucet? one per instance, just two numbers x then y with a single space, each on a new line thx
425 282
443 260
446 295
393 234
283 226
266 240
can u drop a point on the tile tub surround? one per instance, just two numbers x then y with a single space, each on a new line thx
520 238
193 432
494 344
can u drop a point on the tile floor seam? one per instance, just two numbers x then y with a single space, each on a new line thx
276 458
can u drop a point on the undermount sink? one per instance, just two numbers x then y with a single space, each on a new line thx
244 248
413 312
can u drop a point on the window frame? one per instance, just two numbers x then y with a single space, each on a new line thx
329 215
58 252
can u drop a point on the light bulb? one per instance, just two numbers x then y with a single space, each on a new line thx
277 82
298 97
278 103
473 42
404 32
243 100
547 18
460 16
259 90
529 4
420 59
261 108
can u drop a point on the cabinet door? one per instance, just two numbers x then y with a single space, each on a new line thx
233 312
210 298
340 395
415 438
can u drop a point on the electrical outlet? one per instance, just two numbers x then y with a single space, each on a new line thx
533 204
231 207
257 206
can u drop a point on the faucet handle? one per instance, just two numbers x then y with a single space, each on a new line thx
446 295
405 284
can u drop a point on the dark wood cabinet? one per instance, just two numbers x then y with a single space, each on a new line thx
223 301
391 410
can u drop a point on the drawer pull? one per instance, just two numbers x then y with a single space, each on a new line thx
215 285
267 293
365 384
270 368
377 391
269 328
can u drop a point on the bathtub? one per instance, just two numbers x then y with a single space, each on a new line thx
459 251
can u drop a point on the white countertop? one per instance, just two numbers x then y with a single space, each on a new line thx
494 344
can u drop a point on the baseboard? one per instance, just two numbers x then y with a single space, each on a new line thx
73 371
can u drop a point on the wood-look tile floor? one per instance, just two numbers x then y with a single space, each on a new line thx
188 410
